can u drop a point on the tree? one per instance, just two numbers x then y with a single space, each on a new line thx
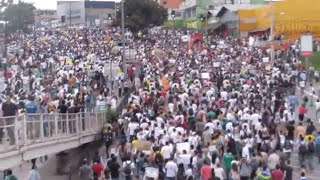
19 17
140 14
4 3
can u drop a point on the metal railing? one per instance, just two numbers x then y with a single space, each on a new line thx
18 131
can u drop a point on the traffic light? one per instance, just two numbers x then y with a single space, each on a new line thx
109 17
202 18
63 19
173 14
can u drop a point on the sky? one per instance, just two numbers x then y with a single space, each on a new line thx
47 4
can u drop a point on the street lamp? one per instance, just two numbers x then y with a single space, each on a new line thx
124 65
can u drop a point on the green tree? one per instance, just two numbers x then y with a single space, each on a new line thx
140 14
19 17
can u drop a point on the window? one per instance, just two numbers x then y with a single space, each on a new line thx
164 2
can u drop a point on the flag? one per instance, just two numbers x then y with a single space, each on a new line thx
165 83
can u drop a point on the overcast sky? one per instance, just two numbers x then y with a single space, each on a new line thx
48 4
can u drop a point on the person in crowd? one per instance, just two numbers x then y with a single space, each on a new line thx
171 169
10 176
34 174
9 110
114 169
85 172
215 111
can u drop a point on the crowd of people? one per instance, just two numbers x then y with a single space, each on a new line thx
214 109
61 72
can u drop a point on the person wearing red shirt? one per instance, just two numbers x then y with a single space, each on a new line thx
277 174
97 168
206 172
302 112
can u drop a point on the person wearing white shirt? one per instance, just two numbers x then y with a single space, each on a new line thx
166 151
180 130
144 124
171 107
194 139
246 151
34 174
224 95
114 103
171 170
229 126
132 126
255 118
211 126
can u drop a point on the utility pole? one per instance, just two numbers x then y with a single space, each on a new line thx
124 61
272 54
70 19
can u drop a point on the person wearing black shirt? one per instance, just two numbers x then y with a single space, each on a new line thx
287 169
63 108
310 128
9 110
290 128
114 168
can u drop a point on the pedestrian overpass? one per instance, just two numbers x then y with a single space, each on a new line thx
26 137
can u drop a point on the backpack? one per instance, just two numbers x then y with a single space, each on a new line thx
311 147
265 147
108 139
245 170
254 164
88 98
199 164
206 159
302 149
127 169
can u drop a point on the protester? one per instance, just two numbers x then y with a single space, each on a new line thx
34 174
10 176
85 172
193 107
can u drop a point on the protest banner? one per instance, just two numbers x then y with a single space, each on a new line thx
143 145
184 159
205 75
183 146
152 172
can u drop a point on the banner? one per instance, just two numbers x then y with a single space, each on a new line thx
143 145
183 146
292 18
152 172
184 159
165 83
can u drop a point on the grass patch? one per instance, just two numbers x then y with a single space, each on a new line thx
314 60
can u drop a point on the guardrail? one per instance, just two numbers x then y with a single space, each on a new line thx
18 131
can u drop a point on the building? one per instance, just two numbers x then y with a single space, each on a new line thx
86 13
43 18
170 4
173 8
226 17
193 9
207 10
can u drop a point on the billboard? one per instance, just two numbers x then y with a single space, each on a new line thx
306 44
